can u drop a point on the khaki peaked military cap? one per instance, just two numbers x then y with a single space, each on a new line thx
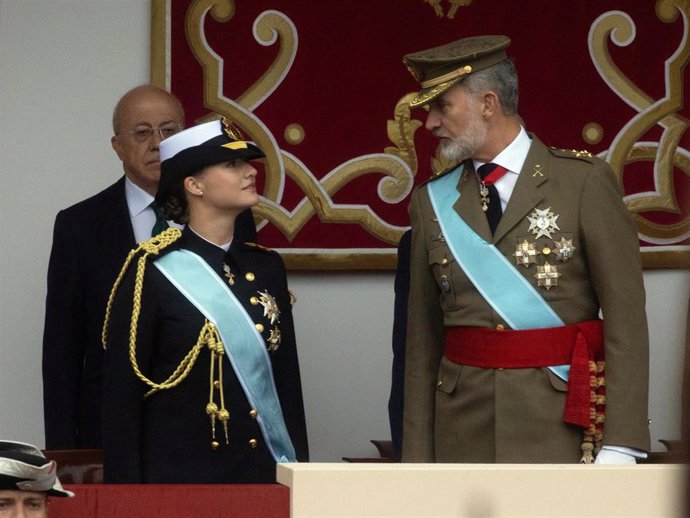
439 68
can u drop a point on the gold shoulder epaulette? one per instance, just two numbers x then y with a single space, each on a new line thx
260 247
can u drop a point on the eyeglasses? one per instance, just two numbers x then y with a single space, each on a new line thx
144 134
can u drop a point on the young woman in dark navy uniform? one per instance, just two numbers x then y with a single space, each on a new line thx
202 381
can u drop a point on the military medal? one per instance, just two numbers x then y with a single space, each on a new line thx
484 193
229 275
542 222
274 340
271 311
547 275
564 249
525 253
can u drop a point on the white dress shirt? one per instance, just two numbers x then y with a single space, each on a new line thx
512 158
141 214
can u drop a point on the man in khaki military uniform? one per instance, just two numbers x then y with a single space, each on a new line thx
514 254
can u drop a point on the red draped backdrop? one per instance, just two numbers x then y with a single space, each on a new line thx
320 86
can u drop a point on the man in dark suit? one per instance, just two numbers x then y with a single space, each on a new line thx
402 291
514 254
90 242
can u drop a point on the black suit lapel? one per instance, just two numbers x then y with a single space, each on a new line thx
117 234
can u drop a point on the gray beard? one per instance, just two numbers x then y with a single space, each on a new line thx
465 146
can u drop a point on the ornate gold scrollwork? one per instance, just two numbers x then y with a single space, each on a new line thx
239 111
625 147
452 9
398 164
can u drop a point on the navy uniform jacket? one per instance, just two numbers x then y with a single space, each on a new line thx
90 242
166 438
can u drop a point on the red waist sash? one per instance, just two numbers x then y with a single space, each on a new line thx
576 345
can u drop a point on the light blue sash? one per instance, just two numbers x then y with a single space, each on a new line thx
498 281
245 347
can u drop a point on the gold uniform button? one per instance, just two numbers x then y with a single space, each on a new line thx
439 384
500 327
252 443
259 328
216 384
252 414
254 301
445 261
249 276
546 250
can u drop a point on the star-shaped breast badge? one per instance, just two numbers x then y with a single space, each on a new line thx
547 275
564 249
525 253
542 222
270 306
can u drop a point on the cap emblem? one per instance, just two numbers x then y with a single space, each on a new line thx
234 133
231 130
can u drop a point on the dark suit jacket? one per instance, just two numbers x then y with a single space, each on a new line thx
166 438
402 290
90 241
456 413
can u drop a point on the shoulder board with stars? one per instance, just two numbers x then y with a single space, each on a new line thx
258 247
573 153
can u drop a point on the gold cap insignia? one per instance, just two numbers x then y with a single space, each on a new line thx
231 130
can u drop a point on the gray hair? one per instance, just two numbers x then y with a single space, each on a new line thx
500 78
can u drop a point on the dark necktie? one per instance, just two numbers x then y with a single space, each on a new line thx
161 224
491 201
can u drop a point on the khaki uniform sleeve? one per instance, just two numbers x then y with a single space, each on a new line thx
612 251
425 339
